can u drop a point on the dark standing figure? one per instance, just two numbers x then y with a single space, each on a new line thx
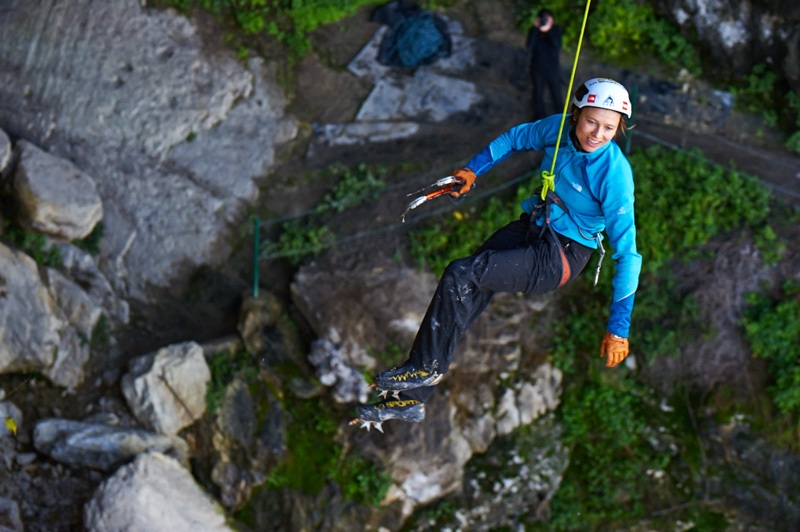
544 45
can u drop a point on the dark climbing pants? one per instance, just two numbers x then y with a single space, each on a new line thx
550 82
517 258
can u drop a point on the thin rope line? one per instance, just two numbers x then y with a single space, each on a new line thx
548 178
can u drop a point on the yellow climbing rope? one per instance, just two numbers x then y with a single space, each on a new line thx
548 178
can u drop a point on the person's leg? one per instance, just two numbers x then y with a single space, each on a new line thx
539 87
469 284
554 87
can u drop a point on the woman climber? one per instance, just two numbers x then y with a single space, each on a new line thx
548 246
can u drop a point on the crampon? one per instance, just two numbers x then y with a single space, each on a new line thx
441 187
375 414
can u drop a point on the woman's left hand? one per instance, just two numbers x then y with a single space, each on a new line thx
614 348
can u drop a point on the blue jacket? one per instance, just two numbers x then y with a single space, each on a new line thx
596 187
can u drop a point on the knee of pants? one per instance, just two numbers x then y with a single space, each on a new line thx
463 270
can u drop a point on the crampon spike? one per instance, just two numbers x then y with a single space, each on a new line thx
368 424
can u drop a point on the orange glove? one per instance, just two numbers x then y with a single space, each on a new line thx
615 348
466 177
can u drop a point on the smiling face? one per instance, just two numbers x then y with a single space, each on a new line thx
596 127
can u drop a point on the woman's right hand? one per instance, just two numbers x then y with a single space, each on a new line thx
466 178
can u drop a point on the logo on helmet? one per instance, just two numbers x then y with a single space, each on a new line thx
608 102
591 98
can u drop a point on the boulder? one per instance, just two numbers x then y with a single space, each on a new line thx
362 306
31 327
5 151
81 267
52 196
400 102
99 446
166 389
82 314
739 34
513 484
10 520
153 493
526 401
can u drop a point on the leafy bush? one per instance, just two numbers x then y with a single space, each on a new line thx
621 31
313 458
682 201
773 330
223 367
605 426
302 237
289 21
33 244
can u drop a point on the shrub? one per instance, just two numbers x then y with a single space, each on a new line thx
772 327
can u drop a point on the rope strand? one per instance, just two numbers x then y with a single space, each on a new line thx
549 178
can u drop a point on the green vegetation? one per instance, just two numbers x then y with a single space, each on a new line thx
289 21
224 366
36 244
91 244
33 244
621 32
765 94
772 327
309 235
314 457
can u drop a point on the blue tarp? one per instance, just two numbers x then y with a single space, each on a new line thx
417 36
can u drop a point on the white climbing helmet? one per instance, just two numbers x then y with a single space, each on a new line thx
603 93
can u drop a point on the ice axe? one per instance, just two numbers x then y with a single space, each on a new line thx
441 187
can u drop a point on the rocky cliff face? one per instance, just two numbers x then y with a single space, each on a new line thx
169 137
738 34
173 135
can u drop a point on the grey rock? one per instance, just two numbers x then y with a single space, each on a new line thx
52 196
249 437
46 323
10 520
82 268
166 389
153 493
347 383
99 447
32 328
399 103
362 306
5 151
82 314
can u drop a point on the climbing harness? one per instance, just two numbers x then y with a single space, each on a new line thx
543 205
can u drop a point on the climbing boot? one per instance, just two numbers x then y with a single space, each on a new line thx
374 415
406 377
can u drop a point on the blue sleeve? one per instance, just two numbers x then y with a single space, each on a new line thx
616 199
523 137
